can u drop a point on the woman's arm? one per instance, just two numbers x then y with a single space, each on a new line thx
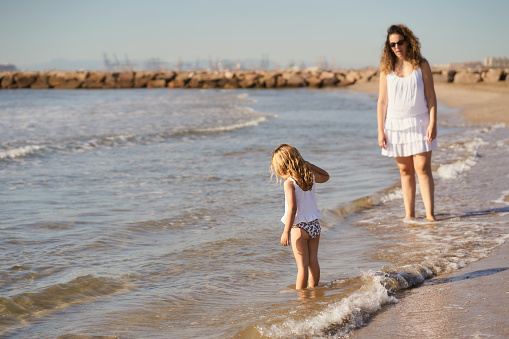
292 211
381 109
321 176
429 93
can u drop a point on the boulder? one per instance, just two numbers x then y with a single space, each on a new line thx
368 75
95 79
326 75
467 77
342 79
352 77
157 83
294 80
213 80
41 82
314 81
125 79
493 75
8 80
450 74
269 80
248 80
440 76
165 75
74 79
56 78
141 78
228 83
110 81
196 80
180 80
280 82
66 80
25 79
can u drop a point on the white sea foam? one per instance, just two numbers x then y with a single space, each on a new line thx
502 198
396 194
344 315
453 170
227 128
19 152
502 143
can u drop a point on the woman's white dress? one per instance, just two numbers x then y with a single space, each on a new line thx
407 116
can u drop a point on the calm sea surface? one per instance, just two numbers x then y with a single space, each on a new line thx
150 213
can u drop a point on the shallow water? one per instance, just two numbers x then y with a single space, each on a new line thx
149 213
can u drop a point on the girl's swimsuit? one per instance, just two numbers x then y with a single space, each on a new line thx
308 213
312 228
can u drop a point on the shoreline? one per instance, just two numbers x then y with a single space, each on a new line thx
470 302
474 300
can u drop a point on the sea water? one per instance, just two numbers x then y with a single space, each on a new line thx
151 213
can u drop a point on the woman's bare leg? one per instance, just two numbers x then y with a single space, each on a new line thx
314 266
422 163
406 169
299 239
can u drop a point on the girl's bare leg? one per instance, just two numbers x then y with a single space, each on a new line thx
299 239
422 163
314 266
407 171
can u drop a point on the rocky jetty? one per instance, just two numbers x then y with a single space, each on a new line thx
224 79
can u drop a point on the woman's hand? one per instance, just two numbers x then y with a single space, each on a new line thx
285 239
431 132
382 140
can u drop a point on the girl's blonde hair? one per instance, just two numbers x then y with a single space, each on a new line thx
287 162
413 52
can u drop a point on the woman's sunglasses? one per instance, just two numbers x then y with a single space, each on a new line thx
399 43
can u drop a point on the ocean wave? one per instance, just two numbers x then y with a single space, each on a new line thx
21 307
453 170
84 144
357 205
339 318
19 152
227 128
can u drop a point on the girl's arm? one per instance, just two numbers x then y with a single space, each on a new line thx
381 109
292 211
429 92
321 176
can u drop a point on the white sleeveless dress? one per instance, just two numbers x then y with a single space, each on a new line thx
407 116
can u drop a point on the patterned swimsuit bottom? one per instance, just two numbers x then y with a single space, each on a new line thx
312 228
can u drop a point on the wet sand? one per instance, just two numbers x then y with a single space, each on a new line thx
471 302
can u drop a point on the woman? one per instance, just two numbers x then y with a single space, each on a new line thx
407 115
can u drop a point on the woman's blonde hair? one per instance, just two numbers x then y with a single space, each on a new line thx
287 162
413 52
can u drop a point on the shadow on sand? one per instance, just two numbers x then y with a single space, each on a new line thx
443 217
470 275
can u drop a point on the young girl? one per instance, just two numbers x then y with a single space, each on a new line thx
301 211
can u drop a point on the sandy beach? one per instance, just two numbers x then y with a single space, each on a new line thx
473 301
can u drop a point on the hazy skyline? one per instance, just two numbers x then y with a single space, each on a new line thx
349 32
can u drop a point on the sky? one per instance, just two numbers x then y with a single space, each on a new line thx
349 32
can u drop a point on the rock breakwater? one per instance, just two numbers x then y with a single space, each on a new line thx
216 79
